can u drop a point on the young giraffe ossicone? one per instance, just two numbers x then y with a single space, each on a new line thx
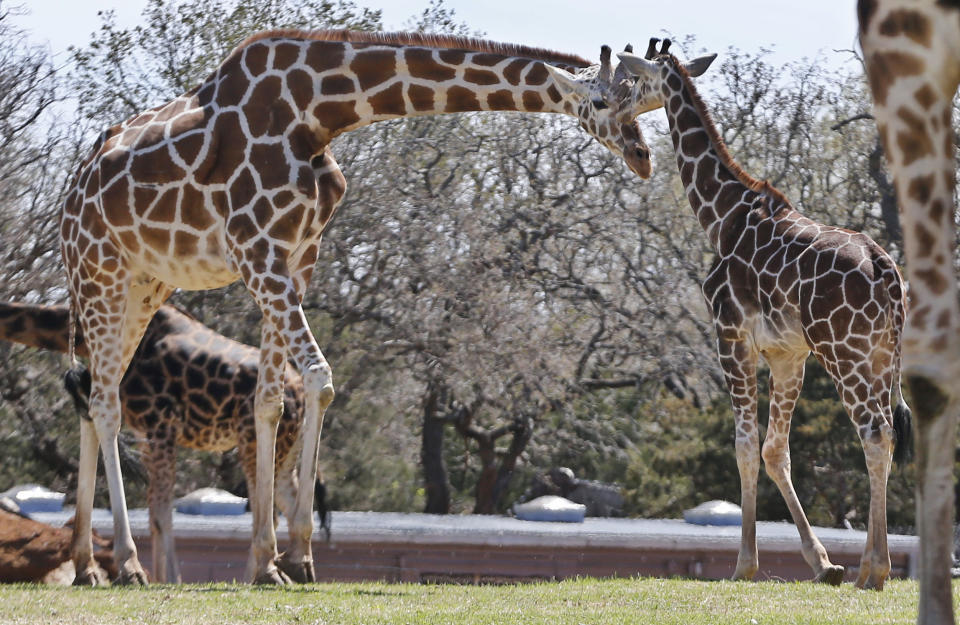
911 51
783 286
233 180
186 385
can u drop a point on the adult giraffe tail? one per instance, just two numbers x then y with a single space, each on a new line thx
903 426
897 311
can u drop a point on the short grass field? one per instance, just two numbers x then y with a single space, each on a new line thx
572 602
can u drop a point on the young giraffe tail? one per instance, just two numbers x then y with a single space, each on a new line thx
76 381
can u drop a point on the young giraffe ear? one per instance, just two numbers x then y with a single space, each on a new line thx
567 82
638 66
699 65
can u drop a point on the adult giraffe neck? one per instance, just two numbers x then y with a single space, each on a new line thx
341 80
716 186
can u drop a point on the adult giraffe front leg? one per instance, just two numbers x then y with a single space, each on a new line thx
268 408
283 317
297 561
739 363
113 330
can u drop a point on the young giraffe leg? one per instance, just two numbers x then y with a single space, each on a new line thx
161 458
786 380
113 332
739 364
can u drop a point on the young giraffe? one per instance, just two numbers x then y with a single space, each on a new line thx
783 286
186 385
912 55
233 181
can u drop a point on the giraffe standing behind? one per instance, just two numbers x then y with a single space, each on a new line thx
190 386
233 180
911 51
783 286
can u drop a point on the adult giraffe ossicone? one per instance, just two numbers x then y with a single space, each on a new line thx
783 286
233 180
911 50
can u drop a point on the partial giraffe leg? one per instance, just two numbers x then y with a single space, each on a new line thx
914 72
161 466
268 408
279 302
113 331
297 561
739 364
786 380
291 563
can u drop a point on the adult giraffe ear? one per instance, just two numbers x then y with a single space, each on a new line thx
637 65
567 82
699 65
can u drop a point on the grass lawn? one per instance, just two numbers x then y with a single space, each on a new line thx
572 602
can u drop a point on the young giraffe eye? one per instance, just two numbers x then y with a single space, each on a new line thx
599 104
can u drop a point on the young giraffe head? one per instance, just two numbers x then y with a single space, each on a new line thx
609 101
648 91
599 105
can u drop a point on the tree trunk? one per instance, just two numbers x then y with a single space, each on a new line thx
484 500
436 481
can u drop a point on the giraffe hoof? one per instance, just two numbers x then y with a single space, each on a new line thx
93 575
300 572
832 575
744 573
131 574
273 576
870 584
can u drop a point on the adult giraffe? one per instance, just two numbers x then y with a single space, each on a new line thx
783 286
911 51
234 180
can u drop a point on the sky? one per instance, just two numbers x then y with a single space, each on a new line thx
822 30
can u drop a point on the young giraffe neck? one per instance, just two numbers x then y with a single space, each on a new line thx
718 189
42 327
341 80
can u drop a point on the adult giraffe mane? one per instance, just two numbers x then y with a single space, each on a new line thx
428 40
760 186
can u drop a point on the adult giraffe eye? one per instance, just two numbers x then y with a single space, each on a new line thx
599 104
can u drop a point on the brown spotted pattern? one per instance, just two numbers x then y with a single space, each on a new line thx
186 386
781 287
233 180
911 52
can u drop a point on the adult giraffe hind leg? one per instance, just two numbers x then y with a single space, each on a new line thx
786 380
